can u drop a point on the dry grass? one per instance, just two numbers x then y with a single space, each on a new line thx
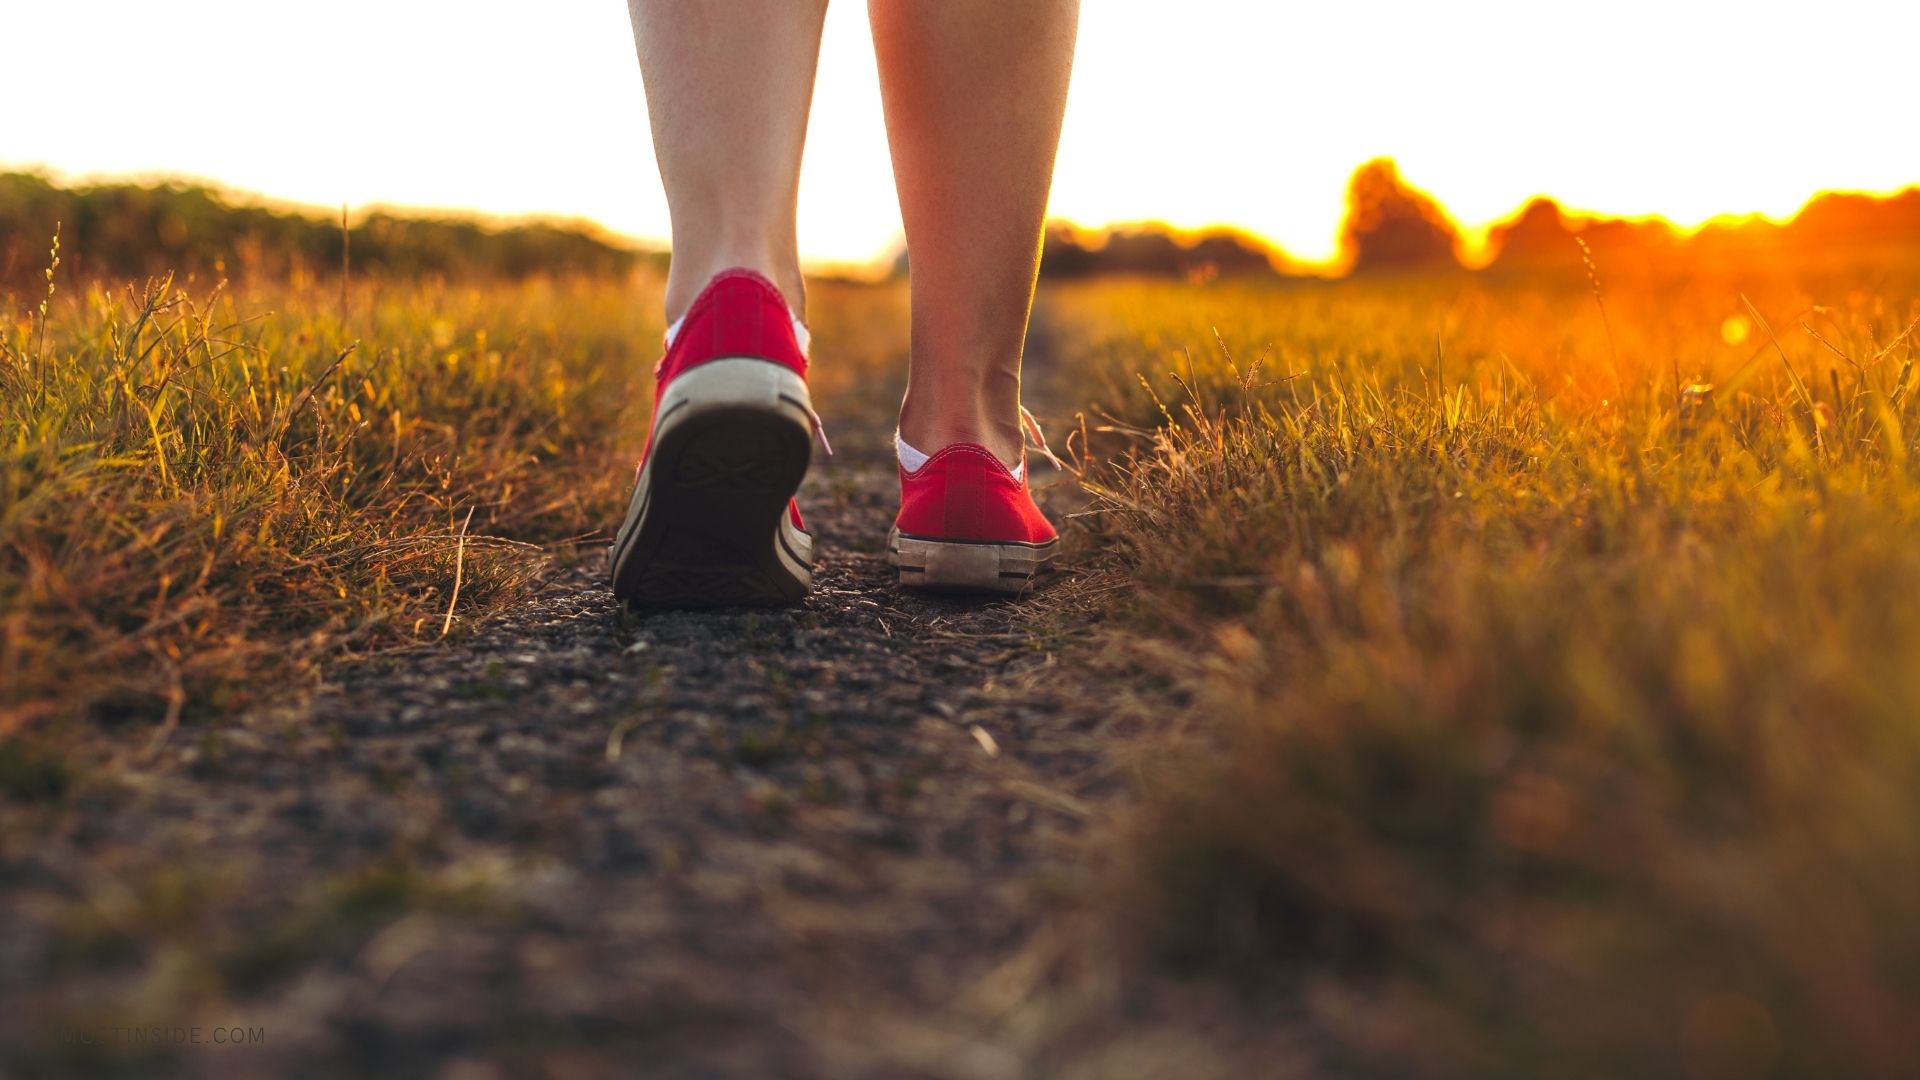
1566 724
1567 707
201 488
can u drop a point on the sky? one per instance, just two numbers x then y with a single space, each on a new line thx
1250 113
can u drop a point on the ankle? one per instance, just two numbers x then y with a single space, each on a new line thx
932 430
688 276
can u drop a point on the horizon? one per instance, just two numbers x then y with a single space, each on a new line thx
1489 106
1476 248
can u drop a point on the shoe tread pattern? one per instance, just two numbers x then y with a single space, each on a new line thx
718 493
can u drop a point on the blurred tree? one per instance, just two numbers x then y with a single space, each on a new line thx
1538 236
1154 250
1846 222
133 231
1544 239
1393 227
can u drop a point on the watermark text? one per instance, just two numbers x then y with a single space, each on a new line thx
166 1035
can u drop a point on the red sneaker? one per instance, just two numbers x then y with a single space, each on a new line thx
968 524
712 522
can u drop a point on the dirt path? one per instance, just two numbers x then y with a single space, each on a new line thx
808 842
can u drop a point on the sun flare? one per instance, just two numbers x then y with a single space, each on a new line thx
1220 113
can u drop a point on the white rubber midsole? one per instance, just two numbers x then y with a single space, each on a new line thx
731 383
795 550
970 565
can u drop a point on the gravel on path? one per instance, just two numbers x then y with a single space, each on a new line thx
817 841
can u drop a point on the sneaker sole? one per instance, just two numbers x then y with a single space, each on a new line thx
708 524
967 565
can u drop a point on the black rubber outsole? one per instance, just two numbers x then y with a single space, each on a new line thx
708 536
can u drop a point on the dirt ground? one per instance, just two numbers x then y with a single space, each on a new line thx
822 841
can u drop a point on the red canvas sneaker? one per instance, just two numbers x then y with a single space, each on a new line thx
968 524
712 522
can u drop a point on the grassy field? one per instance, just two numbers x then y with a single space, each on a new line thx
1549 649
198 488
1554 658
201 488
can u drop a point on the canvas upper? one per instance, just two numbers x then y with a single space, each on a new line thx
964 493
739 314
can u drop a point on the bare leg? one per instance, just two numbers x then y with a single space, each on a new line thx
974 92
728 86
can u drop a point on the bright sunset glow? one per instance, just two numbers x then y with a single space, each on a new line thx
1211 112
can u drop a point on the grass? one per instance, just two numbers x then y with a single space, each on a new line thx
1552 659
1561 711
201 490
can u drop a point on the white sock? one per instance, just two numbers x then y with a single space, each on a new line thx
913 460
800 333
910 459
